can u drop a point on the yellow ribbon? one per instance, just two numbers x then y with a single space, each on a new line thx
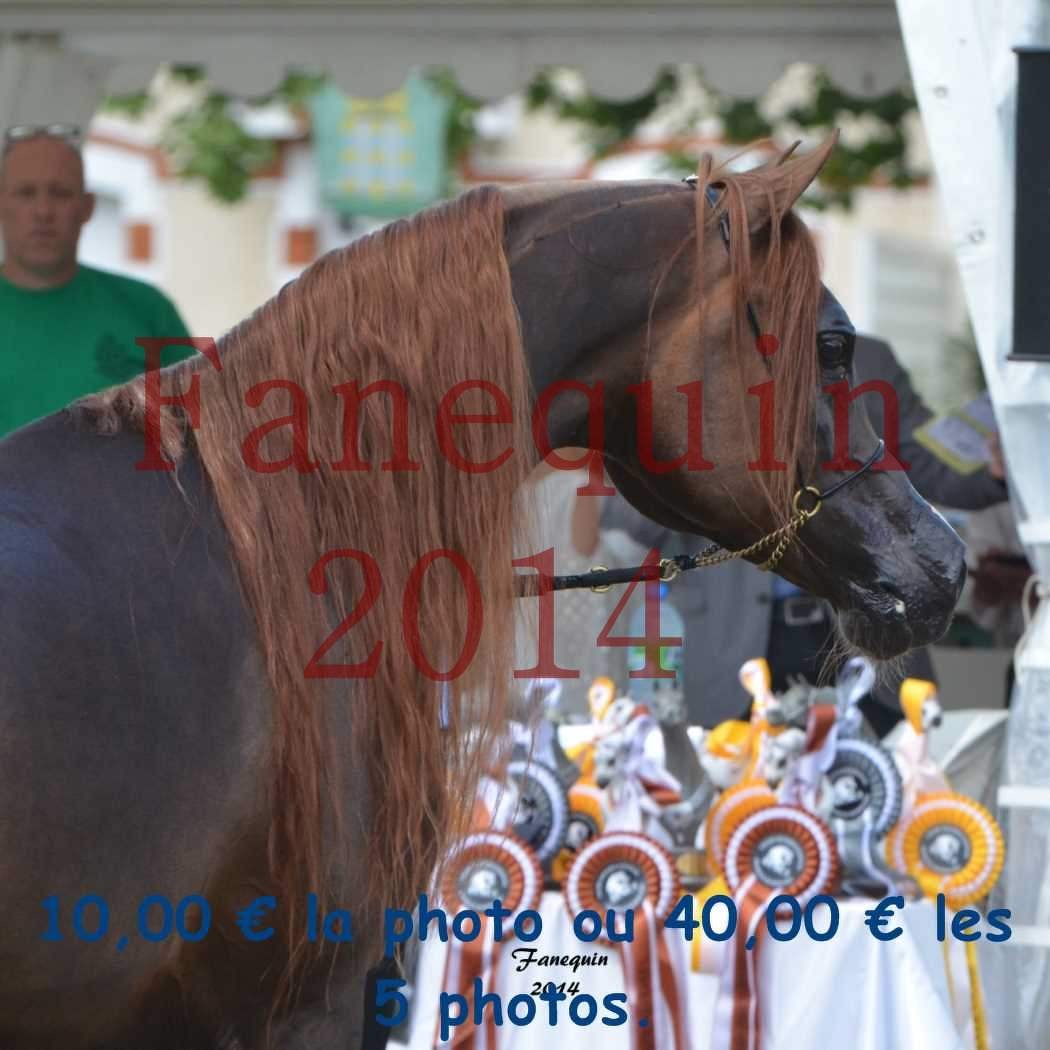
980 1020
977 1011
700 898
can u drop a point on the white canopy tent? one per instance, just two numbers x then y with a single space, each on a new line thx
58 58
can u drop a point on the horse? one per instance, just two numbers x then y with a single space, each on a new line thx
256 607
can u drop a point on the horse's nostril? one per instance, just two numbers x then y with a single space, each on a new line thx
900 606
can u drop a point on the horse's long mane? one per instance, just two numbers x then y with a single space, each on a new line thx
425 303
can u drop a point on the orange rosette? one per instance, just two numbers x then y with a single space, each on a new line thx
586 822
949 844
734 805
780 849
623 871
483 867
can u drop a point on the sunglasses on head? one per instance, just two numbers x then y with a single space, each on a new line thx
21 132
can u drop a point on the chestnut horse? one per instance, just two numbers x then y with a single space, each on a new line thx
265 672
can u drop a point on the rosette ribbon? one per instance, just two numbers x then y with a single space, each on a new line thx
726 814
801 786
755 677
733 806
495 804
776 850
542 814
641 787
920 773
952 845
483 867
586 822
620 871
854 682
537 739
865 795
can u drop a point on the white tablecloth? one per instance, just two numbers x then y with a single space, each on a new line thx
850 993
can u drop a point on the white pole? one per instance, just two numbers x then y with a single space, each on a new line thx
965 75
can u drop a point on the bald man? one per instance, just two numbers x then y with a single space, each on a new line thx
65 329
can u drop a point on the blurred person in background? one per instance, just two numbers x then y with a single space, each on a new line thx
735 612
66 329
998 575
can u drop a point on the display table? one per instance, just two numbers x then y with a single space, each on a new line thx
850 992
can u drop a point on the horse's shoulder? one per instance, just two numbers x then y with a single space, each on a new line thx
63 467
76 515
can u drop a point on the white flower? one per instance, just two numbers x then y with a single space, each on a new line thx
855 132
569 84
712 127
682 112
796 89
500 120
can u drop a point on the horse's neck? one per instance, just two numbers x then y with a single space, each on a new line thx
581 293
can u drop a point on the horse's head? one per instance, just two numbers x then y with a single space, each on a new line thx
652 289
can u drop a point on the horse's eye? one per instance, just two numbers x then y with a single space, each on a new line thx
836 350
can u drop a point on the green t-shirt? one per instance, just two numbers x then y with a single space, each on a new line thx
58 344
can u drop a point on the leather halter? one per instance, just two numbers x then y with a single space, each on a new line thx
600 578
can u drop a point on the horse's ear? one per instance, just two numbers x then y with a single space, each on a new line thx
778 187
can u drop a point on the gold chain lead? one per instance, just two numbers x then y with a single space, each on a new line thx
715 555
782 537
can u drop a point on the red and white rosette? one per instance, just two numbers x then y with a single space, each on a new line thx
483 867
625 870
777 850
